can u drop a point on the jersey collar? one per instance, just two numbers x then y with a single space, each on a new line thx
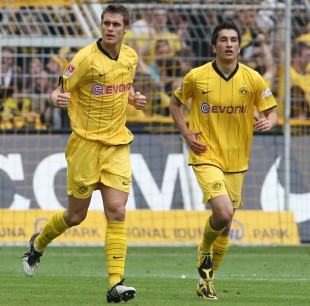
99 45
221 74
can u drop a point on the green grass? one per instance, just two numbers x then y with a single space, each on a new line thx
77 276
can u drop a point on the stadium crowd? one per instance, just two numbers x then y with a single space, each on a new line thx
169 44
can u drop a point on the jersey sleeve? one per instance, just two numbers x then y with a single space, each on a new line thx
264 97
185 90
75 72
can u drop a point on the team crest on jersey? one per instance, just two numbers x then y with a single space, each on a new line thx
82 188
217 185
205 108
243 91
97 89
70 70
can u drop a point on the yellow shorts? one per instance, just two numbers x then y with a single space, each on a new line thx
214 182
92 162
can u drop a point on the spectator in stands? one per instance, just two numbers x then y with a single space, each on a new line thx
5 28
51 117
180 24
164 71
248 26
55 117
186 59
18 110
8 69
142 26
223 94
30 25
201 23
56 65
34 68
259 57
300 82
158 31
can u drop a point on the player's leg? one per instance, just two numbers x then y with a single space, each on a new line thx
116 244
212 183
220 248
234 183
115 239
57 225
116 179
81 180
221 216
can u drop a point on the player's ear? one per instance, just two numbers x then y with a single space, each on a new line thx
213 50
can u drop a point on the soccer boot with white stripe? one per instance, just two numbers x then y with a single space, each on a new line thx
206 290
31 258
120 292
205 265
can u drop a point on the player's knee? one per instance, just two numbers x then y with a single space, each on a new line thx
74 219
223 219
115 212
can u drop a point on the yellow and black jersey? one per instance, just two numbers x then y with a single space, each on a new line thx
223 109
99 87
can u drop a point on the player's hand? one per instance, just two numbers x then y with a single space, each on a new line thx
139 101
262 124
62 100
196 146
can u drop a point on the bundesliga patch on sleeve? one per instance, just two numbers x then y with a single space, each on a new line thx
70 70
266 93
180 87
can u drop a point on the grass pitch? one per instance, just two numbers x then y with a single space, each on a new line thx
162 276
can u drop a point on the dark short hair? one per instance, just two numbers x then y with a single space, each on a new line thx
227 24
116 8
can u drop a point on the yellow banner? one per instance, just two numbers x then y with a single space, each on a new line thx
156 227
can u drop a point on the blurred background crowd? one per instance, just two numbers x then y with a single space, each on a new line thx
171 39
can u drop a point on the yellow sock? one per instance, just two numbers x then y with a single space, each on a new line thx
115 249
209 237
220 247
54 228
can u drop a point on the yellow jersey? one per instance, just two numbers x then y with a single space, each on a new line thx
99 86
223 109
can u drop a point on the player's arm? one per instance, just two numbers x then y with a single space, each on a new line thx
269 120
136 99
176 111
59 98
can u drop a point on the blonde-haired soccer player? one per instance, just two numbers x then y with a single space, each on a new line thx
223 95
97 87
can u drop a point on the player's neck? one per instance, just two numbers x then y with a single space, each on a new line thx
112 50
226 68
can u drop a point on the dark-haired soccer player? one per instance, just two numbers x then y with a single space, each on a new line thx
223 94
96 88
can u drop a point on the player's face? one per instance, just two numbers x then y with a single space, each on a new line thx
227 45
113 29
